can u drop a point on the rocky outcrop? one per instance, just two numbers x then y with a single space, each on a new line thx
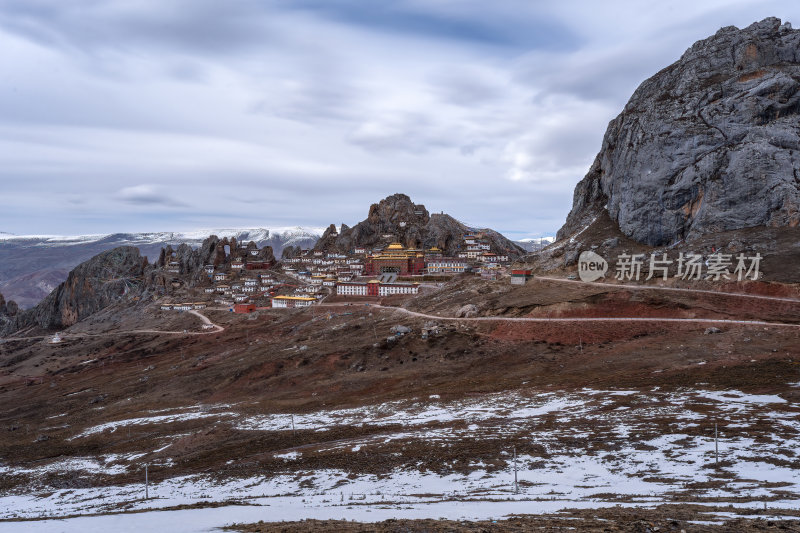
710 143
397 218
93 285
191 262
290 252
7 311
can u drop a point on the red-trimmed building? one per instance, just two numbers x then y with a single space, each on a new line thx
520 277
375 288
397 259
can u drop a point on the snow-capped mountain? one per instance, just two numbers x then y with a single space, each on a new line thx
281 237
535 243
27 260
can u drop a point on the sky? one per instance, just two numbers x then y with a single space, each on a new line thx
173 115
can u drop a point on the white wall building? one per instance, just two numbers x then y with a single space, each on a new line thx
446 265
292 301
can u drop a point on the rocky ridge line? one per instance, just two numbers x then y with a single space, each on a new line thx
710 143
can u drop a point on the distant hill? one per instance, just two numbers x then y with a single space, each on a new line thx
33 265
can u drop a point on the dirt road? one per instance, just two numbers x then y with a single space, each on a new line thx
671 289
217 329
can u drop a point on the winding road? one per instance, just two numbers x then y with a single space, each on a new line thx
217 328
204 319
674 289
583 319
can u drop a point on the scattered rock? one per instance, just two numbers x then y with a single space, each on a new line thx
711 331
467 311
399 329
98 399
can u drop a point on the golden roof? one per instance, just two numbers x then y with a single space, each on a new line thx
396 251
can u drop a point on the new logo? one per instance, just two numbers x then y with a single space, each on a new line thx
591 266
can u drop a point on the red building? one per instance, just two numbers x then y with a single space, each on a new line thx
244 308
397 259
373 287
258 265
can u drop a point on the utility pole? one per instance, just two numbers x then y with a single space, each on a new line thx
293 432
516 484
146 483
716 445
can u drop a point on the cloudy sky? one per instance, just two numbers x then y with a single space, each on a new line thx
150 115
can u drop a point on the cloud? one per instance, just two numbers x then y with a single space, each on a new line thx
465 22
151 115
87 25
146 195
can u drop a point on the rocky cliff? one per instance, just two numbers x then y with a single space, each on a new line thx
397 218
32 266
124 274
91 286
710 143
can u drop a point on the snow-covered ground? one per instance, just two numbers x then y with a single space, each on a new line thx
592 448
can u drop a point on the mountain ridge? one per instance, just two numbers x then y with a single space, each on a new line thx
27 260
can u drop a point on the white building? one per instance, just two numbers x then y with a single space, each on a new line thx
446 265
351 289
386 289
375 288
292 301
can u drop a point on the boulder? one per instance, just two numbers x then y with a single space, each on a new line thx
467 311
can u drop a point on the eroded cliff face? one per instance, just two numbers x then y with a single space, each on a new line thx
396 217
710 143
90 287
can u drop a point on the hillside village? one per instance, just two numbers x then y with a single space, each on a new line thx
250 279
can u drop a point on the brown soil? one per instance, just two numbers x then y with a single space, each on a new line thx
670 518
285 361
